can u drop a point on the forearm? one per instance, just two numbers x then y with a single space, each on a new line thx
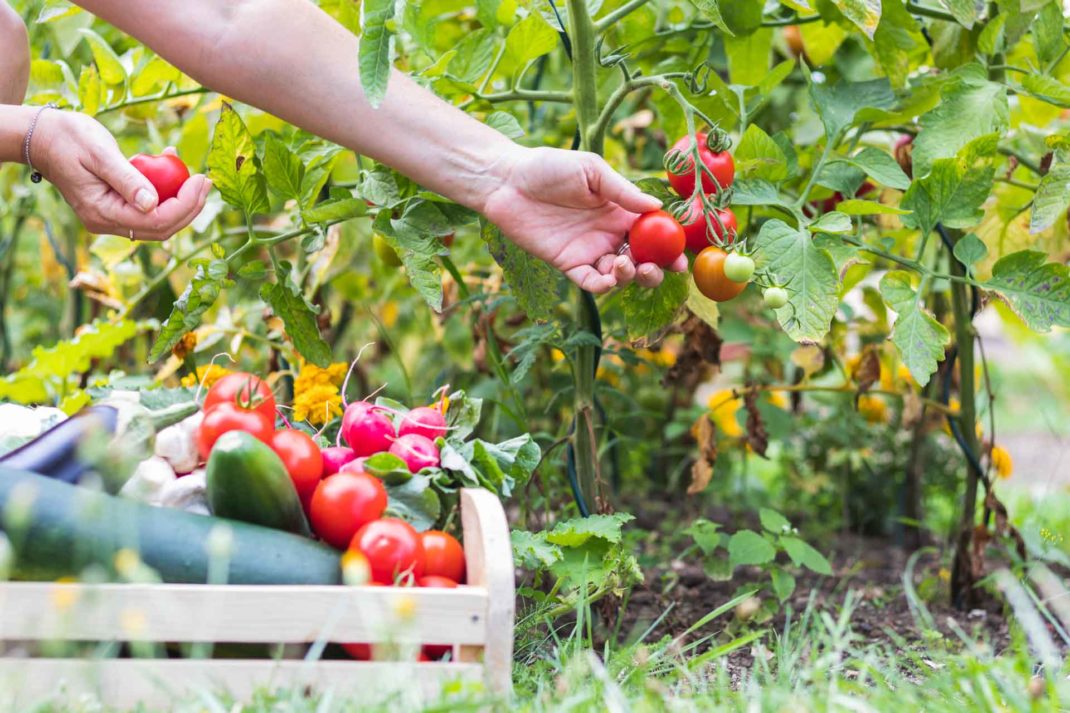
14 56
291 59
14 123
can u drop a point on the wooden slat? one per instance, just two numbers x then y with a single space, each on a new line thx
489 561
253 614
123 683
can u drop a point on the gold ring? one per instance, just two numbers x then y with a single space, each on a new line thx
131 235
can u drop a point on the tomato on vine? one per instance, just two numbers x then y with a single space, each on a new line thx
680 165
709 276
656 237
738 267
697 229
247 391
229 416
775 297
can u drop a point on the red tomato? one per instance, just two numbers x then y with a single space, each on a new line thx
246 390
720 164
434 652
708 273
656 237
443 556
433 580
302 458
392 547
695 227
231 417
343 503
165 172
359 652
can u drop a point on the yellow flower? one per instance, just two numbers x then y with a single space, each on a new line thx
872 408
780 400
389 314
208 374
557 355
316 393
1001 461
723 407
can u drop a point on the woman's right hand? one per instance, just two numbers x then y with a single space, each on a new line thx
81 158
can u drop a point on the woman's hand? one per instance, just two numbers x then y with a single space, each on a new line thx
572 210
80 157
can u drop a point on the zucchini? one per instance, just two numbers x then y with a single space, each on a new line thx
57 530
247 481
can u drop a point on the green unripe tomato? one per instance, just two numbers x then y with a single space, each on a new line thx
775 297
386 253
738 268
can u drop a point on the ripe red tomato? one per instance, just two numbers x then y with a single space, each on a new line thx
435 652
231 417
165 172
708 273
433 580
248 391
393 549
443 555
302 458
695 227
720 164
656 237
343 503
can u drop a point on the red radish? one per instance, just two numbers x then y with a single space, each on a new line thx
417 451
366 429
425 421
335 458
354 466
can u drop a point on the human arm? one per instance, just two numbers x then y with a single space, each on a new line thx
15 58
290 58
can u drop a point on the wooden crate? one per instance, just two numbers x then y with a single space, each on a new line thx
477 619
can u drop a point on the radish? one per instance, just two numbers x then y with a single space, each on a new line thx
366 429
417 451
336 458
425 421
354 466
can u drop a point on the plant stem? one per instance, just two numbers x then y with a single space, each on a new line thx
825 153
598 130
154 98
526 95
620 13
789 21
1031 165
919 9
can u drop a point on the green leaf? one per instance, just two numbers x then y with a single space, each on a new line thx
299 316
865 14
200 294
783 584
706 535
919 338
807 272
416 502
742 18
282 168
837 104
254 271
376 45
758 156
1053 195
463 415
507 464
1048 89
335 210
964 11
155 75
841 176
749 548
834 222
711 11
702 306
648 310
475 54
506 123
970 107
990 40
773 521
90 90
533 283
881 167
862 207
952 193
233 164
1037 291
898 44
748 191
803 555
108 63
388 468
532 551
748 54
577 531
530 39
970 250
1048 32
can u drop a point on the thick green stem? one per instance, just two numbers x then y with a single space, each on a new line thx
584 71
619 14
964 336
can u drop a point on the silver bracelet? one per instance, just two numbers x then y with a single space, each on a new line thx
35 175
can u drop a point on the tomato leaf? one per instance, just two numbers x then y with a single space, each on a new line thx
376 45
953 191
970 107
755 192
917 335
200 294
506 123
282 168
646 311
533 283
711 10
298 315
837 104
529 39
108 63
758 156
335 210
808 273
898 44
748 54
1048 89
1037 291
835 222
964 11
1048 32
1053 195
865 14
881 167
747 547
233 165
475 55
969 250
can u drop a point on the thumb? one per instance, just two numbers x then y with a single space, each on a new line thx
617 189
127 181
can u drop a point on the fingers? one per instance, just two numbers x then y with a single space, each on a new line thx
649 275
165 220
590 279
680 264
611 186
113 168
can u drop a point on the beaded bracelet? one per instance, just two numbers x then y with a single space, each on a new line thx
35 175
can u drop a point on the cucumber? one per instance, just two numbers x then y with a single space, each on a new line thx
247 481
57 530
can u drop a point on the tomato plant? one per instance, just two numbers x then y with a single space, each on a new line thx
699 225
716 166
709 275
